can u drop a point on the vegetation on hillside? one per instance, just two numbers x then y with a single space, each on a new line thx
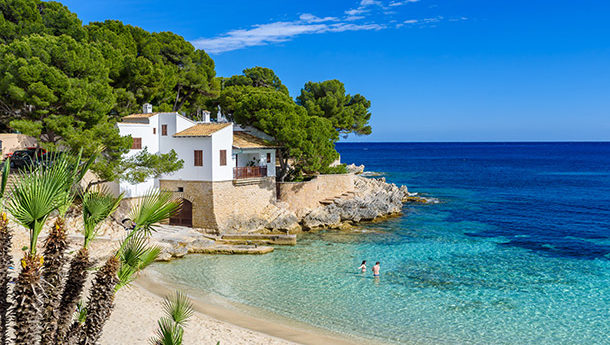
67 85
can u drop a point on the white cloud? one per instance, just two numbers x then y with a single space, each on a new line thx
365 3
363 7
432 20
400 3
310 18
264 34
355 11
307 23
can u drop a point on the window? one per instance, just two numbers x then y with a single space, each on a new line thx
223 157
136 144
180 189
198 158
155 130
268 157
163 129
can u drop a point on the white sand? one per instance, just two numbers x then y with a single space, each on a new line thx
138 307
137 310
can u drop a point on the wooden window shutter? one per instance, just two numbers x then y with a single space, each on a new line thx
136 144
198 158
268 157
223 157
154 130
163 129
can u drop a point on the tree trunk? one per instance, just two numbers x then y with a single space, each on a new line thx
73 289
283 159
184 98
54 260
101 301
27 310
5 278
177 97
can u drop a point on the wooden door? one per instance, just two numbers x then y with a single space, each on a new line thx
185 216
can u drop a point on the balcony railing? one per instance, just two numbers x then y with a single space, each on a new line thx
249 172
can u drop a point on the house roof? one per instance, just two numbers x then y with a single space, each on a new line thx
202 130
136 117
243 140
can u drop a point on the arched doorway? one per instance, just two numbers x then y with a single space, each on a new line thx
185 216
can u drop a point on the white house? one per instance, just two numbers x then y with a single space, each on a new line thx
216 156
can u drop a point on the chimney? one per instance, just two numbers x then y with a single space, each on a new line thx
205 116
147 108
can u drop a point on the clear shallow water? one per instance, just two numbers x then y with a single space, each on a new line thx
517 252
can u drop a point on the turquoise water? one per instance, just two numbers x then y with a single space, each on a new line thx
517 252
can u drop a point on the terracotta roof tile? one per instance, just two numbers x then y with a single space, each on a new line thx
202 130
137 116
244 140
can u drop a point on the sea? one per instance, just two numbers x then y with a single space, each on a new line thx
516 251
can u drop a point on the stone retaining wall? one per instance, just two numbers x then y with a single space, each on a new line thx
302 196
241 200
216 205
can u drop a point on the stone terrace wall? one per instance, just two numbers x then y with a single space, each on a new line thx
303 196
240 201
225 205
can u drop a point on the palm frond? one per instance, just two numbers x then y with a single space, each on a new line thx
135 254
156 206
97 206
36 194
6 169
169 333
178 307
87 165
151 254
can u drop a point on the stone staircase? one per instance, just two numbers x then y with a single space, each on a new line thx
258 239
329 201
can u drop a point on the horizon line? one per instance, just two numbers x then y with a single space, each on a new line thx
476 142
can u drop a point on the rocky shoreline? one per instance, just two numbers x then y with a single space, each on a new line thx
372 199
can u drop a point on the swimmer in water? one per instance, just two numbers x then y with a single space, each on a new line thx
376 269
362 267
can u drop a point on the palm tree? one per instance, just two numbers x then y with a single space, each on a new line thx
97 205
37 192
132 256
178 309
55 247
5 260
135 254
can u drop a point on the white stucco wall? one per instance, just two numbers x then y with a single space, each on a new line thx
185 148
222 140
143 131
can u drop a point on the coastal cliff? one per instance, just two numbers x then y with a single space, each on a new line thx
371 199
356 199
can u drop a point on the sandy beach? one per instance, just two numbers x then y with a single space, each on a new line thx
138 307
136 313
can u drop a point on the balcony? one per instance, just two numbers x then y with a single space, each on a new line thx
249 172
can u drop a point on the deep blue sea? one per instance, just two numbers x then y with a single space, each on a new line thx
517 251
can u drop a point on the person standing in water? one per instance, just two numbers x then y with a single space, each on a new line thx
376 269
362 267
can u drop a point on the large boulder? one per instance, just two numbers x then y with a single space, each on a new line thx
322 217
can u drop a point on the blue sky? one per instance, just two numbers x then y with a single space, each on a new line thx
435 70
